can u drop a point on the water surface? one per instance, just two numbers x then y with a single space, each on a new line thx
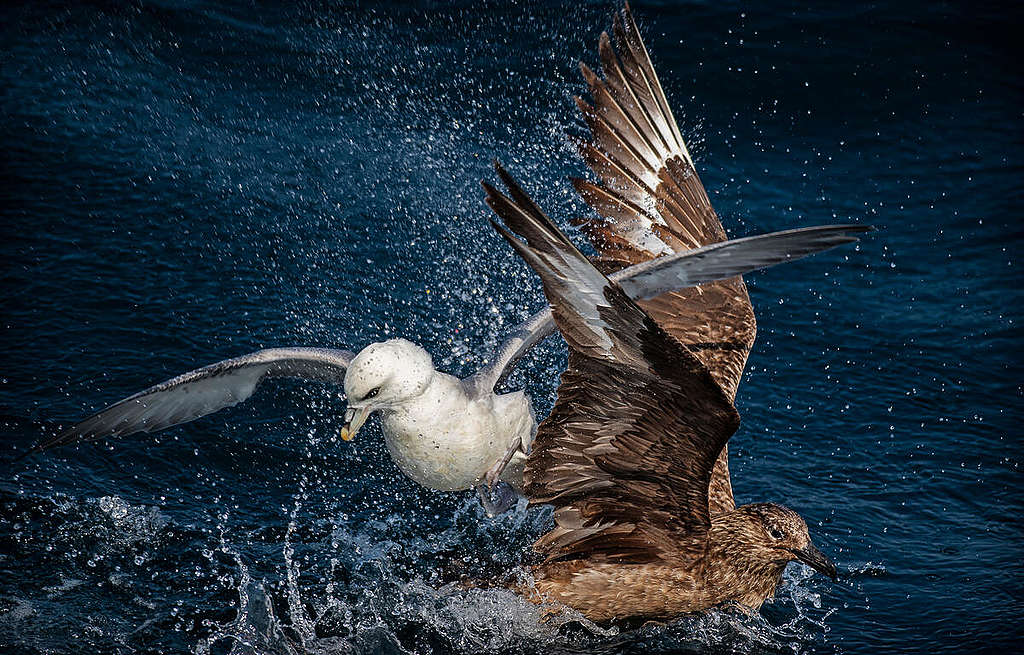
184 182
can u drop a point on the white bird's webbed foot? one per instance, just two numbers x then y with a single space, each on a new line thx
504 498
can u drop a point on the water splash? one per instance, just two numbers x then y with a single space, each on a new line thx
346 587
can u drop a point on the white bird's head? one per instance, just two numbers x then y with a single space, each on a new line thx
384 375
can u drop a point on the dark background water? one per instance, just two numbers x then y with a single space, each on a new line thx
183 182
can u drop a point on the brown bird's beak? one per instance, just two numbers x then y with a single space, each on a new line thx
815 559
354 419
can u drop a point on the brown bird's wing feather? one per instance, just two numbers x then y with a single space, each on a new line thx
652 203
627 452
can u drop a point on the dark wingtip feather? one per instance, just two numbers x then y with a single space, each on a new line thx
857 228
618 23
61 438
34 450
589 75
506 179
584 107
854 227
523 249
501 228
578 183
511 214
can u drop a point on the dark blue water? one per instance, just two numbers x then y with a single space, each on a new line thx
183 182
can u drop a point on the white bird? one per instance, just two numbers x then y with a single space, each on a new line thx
439 431
443 432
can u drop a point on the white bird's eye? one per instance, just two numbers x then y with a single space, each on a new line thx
372 394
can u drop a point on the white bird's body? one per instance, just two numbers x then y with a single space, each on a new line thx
447 440
442 432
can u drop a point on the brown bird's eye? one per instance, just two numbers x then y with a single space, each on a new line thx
775 533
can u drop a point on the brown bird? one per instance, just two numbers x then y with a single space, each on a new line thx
633 456
626 455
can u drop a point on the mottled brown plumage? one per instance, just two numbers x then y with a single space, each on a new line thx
627 453
652 203
742 564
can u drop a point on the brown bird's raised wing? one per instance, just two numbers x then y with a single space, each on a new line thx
652 203
627 452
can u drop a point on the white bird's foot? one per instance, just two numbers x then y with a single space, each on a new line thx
505 497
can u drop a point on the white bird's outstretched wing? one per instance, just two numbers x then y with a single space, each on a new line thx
203 391
727 259
646 280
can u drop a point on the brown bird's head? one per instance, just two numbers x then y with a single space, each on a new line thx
773 533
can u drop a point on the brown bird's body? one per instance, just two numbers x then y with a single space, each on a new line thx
633 455
737 565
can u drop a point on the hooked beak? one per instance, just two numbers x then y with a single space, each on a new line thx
354 419
815 559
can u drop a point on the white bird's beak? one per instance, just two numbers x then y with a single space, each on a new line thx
354 419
